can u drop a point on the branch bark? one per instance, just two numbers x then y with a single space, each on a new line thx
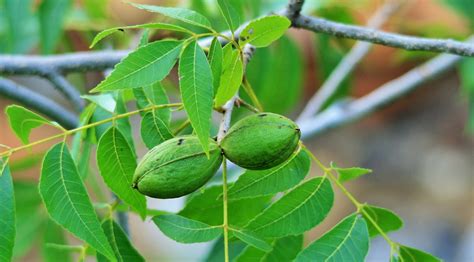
320 25
347 64
38 103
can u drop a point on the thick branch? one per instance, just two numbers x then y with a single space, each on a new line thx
347 64
61 83
38 103
343 113
321 25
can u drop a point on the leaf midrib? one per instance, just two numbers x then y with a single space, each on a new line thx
344 240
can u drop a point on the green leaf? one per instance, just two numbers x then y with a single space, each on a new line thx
278 92
263 31
254 183
123 249
144 66
7 217
67 201
251 239
52 14
409 254
54 234
231 15
117 165
185 15
215 61
153 130
162 26
284 250
299 210
206 206
346 174
123 124
231 78
216 254
185 230
385 219
154 94
30 217
347 241
106 101
22 30
196 91
22 121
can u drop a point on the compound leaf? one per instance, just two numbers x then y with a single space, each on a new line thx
347 241
182 14
123 249
185 230
299 210
144 66
22 121
7 217
266 182
263 31
117 165
196 90
385 219
67 201
231 78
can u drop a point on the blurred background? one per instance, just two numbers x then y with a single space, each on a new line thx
420 148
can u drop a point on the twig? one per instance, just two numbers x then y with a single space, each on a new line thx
38 103
71 93
321 25
293 9
347 64
346 112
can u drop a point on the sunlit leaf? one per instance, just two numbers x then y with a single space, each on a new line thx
215 61
123 249
231 78
52 14
162 26
196 90
142 67
284 250
270 181
117 165
22 121
154 130
297 211
7 217
106 101
186 230
409 254
263 31
154 94
185 15
206 206
251 239
231 15
385 219
347 241
346 174
67 201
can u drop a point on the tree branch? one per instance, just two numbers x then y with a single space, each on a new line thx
320 25
347 64
346 112
38 103
60 83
